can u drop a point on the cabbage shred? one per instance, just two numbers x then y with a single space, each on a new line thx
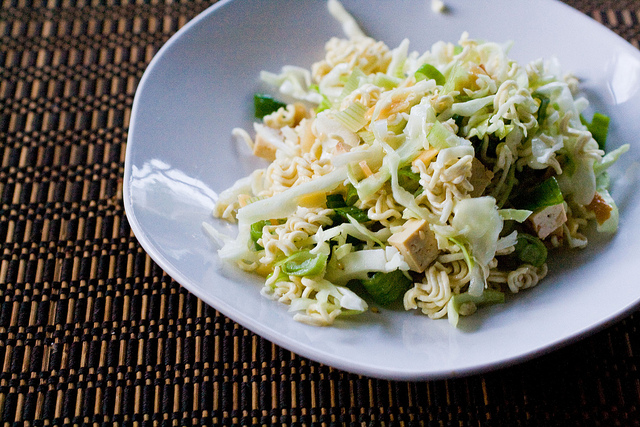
459 149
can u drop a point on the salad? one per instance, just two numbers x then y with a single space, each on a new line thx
436 181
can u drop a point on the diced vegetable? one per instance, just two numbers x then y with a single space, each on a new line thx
303 263
353 82
542 108
352 195
530 250
281 277
386 288
386 81
356 213
409 180
599 128
353 117
545 194
335 201
519 215
256 232
343 210
428 71
324 104
265 105
455 78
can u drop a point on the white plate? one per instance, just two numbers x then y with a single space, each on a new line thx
180 154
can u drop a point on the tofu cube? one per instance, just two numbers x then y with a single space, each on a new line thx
480 178
417 244
547 220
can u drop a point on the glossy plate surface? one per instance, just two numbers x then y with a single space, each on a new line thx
180 155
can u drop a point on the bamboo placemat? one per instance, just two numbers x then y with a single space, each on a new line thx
92 331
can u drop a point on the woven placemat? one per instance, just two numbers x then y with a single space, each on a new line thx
93 331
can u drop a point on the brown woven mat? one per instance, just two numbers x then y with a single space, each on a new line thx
92 331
